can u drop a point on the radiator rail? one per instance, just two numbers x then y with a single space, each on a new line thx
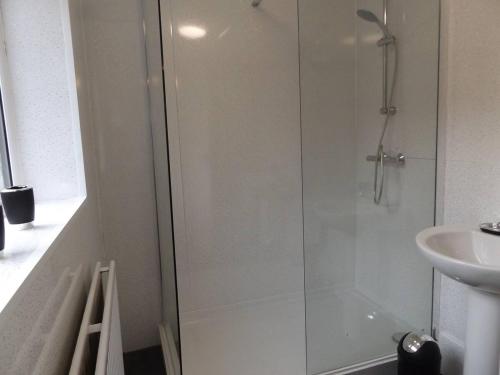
98 349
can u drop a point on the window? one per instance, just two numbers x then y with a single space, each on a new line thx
40 107
6 172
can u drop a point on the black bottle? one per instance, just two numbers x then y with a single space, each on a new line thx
19 204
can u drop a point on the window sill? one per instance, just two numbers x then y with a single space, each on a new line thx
25 248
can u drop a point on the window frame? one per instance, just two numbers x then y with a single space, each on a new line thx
5 156
5 166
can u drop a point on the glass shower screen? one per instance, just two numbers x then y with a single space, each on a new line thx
368 78
302 146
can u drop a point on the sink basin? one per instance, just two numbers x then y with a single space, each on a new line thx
464 254
471 257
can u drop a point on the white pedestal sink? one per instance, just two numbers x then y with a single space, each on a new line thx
473 258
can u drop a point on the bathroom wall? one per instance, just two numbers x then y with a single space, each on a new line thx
121 144
327 58
80 243
120 109
237 140
389 268
469 142
234 134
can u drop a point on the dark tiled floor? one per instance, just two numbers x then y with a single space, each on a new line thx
147 361
386 369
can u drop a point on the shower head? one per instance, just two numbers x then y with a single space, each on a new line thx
367 15
371 17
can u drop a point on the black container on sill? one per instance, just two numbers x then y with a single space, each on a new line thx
19 204
418 355
2 230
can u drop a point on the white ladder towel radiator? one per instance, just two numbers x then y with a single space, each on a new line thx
99 346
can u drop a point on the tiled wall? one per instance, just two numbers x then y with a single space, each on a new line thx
469 142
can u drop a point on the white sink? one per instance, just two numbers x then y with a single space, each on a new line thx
473 258
464 254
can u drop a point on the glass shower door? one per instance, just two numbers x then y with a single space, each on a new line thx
366 65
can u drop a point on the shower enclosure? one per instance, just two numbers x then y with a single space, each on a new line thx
365 281
302 155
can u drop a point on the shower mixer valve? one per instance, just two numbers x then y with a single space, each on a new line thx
388 110
397 160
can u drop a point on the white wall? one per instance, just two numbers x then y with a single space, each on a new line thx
389 267
119 151
470 141
234 136
120 109
349 240
327 58
239 136
80 243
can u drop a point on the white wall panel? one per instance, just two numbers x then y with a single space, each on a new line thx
234 132
117 65
239 137
389 267
327 52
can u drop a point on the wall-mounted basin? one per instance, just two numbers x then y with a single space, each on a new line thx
471 257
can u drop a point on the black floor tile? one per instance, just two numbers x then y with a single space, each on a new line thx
147 361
